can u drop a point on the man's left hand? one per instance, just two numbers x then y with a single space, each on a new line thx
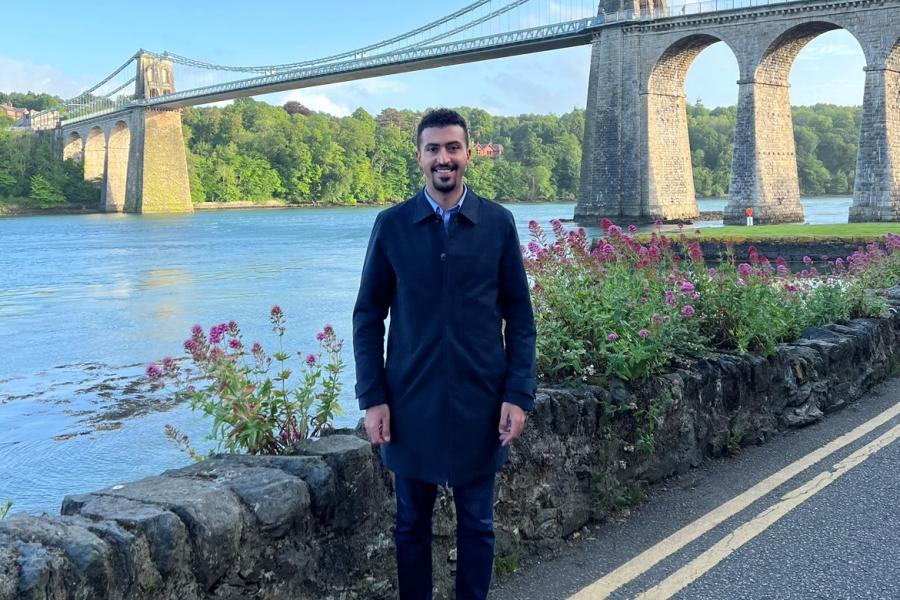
512 422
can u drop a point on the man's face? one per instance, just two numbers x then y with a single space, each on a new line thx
443 156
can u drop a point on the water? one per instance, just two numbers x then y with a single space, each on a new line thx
87 301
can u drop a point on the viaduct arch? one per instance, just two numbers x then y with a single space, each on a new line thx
636 159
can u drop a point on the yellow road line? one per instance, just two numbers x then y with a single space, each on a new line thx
644 561
681 578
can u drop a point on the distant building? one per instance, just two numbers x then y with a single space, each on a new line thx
489 150
12 112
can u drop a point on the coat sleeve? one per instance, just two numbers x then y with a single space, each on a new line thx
376 292
519 334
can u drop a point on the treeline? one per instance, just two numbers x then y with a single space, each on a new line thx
29 100
31 172
825 137
254 151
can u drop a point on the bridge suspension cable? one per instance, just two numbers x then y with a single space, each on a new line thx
268 69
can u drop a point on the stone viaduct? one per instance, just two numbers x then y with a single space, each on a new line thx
136 157
636 164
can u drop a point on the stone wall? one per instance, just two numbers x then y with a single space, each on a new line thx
318 525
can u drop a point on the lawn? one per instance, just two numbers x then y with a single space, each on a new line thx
853 232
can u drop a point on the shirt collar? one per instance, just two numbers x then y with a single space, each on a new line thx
424 206
436 208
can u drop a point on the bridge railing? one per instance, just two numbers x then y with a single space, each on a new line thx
685 8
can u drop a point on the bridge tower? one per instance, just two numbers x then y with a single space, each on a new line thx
136 157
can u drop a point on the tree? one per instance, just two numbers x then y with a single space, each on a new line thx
44 193
292 107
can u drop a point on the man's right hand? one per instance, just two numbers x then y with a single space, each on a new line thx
378 424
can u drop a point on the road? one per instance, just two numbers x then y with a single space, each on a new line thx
812 514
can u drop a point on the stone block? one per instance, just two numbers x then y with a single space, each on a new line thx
87 554
278 501
209 510
165 534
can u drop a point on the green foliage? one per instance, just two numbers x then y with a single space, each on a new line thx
30 100
256 402
30 170
44 193
506 564
4 509
627 307
345 160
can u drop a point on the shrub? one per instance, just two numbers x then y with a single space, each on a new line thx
626 307
254 409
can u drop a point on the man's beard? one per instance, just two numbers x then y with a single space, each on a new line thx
445 187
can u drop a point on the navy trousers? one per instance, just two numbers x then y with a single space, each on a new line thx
474 537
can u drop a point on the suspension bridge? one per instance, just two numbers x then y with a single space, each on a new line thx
636 155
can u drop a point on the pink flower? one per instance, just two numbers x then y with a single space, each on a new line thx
711 272
234 343
310 360
669 297
643 333
632 229
687 287
320 336
807 260
605 224
196 330
533 247
744 269
190 345
153 372
328 330
256 348
658 222
783 270
687 310
168 363
612 337
276 312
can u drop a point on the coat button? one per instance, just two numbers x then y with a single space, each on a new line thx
443 256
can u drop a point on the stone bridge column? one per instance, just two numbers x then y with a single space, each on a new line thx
669 174
610 161
876 191
157 165
764 163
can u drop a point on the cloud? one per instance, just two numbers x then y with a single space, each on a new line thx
22 76
317 101
341 99
819 51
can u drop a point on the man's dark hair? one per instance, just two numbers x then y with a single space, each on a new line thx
441 117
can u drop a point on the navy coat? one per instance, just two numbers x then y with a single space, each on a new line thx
450 361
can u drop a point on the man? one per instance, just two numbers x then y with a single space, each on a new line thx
459 374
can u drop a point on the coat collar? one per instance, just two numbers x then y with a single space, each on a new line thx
469 209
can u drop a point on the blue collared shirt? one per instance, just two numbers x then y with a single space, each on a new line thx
445 214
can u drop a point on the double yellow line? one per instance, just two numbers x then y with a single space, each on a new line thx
670 586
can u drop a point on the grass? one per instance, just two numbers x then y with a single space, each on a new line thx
850 232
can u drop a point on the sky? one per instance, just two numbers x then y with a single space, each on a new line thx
62 48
